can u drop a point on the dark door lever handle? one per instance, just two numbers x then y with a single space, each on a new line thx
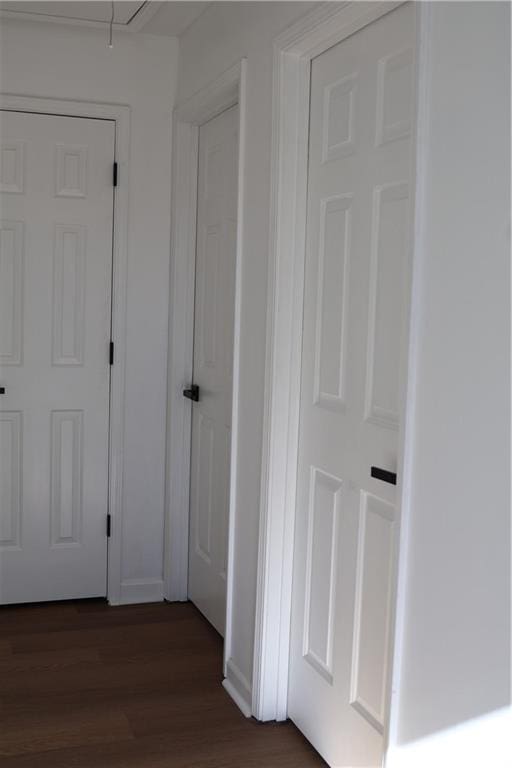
192 393
384 475
2 390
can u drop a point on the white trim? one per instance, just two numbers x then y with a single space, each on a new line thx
227 90
141 591
238 687
135 24
293 51
143 15
233 487
417 258
214 98
121 116
181 324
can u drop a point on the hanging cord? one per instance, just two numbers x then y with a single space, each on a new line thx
111 26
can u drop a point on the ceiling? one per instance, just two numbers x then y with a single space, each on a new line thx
164 18
174 18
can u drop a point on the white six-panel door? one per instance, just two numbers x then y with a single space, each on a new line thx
56 199
355 323
213 364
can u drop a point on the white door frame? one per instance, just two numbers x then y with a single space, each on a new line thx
229 89
293 52
120 115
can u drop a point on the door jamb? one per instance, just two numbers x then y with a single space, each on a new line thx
120 115
293 52
229 89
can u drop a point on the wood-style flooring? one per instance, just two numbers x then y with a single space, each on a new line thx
84 685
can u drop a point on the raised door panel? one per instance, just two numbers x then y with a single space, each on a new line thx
339 129
205 486
394 96
214 173
11 473
68 330
209 297
66 498
386 320
12 167
331 302
224 471
321 570
370 651
70 170
11 292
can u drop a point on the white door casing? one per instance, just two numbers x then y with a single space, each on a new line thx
213 364
57 215
354 338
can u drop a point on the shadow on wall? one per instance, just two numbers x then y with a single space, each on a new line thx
484 742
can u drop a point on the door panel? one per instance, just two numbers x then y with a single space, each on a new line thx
354 332
56 200
10 478
375 551
213 364
11 287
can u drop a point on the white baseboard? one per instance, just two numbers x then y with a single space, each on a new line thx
141 591
238 687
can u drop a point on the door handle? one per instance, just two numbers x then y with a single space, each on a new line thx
192 393
384 475
2 390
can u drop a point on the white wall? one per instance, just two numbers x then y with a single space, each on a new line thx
140 71
454 683
224 34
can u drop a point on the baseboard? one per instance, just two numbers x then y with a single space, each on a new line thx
237 685
141 591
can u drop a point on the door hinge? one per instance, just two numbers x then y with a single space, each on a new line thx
111 353
109 525
114 175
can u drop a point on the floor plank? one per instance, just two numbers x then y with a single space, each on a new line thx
85 685
43 732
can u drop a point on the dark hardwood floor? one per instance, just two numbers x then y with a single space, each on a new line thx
83 685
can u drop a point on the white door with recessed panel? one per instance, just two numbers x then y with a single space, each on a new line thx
56 217
354 334
213 365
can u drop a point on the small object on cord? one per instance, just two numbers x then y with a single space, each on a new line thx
110 29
